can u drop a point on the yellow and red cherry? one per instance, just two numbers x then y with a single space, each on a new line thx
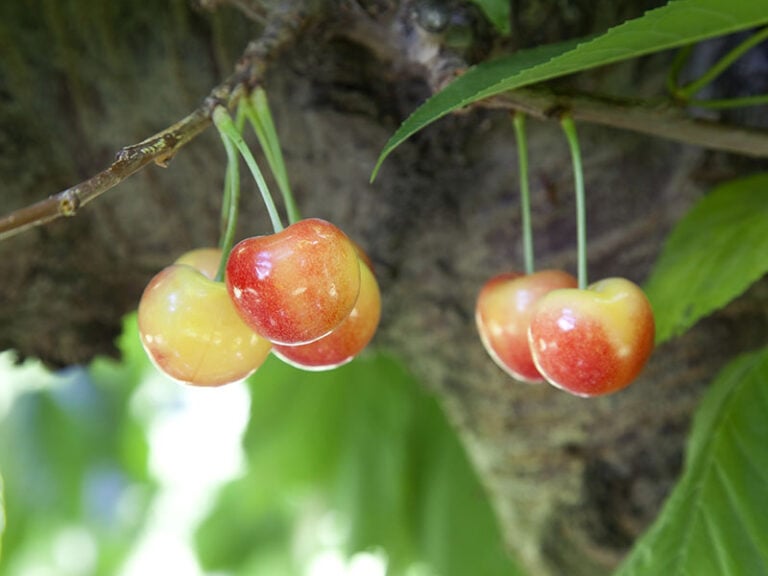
594 341
297 285
191 331
503 313
349 338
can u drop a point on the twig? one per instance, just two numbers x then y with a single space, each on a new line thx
283 27
158 148
662 120
285 24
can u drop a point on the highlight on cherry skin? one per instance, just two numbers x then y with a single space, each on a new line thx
191 331
503 313
594 341
349 338
297 285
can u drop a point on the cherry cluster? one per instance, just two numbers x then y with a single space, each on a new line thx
588 342
307 293
586 339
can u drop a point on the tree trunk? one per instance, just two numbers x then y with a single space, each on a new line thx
574 482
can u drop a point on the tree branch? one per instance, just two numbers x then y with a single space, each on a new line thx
158 148
662 119
283 27
285 24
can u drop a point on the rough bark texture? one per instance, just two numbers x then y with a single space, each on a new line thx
573 481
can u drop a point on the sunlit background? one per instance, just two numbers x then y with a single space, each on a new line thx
114 469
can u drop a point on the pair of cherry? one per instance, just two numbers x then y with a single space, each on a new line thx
586 339
588 342
307 293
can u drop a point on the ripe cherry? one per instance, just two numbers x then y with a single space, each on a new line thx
503 313
206 260
594 341
191 331
297 285
349 338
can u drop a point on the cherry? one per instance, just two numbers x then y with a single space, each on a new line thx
349 338
503 313
593 341
191 331
206 260
297 285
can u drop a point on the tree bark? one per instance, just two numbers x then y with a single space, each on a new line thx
573 482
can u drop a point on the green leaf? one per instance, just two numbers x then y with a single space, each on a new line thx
678 23
714 254
715 522
366 442
497 11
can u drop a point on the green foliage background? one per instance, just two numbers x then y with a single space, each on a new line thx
70 449
364 443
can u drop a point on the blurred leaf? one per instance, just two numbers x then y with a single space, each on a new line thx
118 380
678 23
69 453
715 522
125 374
497 11
457 533
2 515
275 562
713 255
243 526
371 445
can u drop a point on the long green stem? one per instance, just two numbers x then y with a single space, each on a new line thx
673 77
518 119
240 116
230 205
581 211
226 196
686 92
260 116
226 127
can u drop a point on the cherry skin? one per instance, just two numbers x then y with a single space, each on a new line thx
348 339
191 331
503 313
595 341
206 260
297 285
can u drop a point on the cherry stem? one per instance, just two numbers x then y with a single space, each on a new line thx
240 117
226 126
581 212
230 205
673 77
686 92
518 119
257 110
